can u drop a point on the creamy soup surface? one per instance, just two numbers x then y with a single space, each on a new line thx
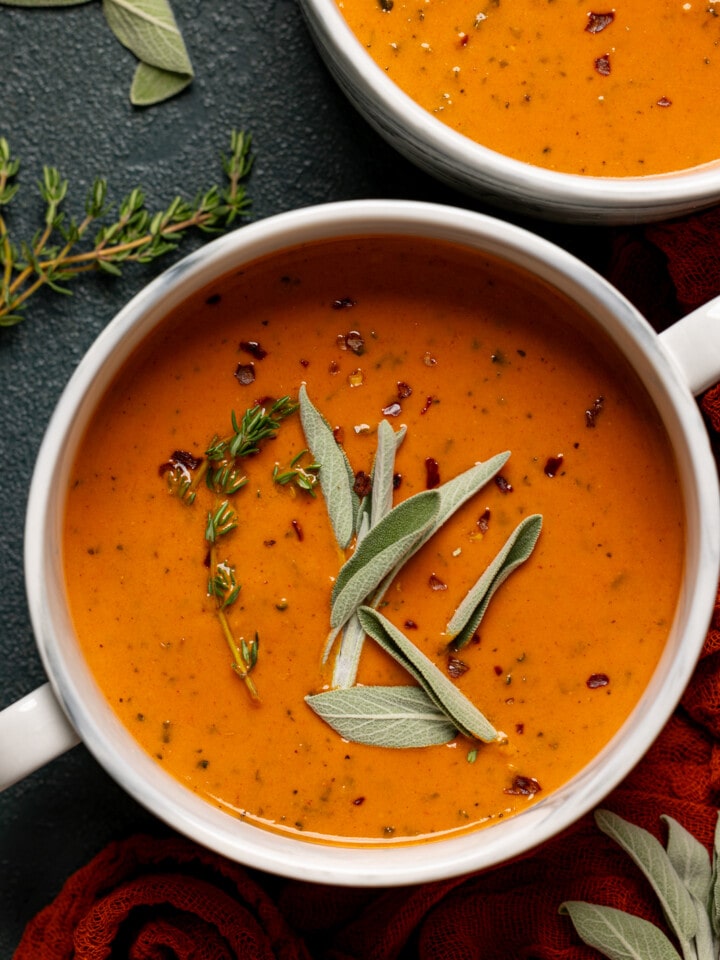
474 359
618 90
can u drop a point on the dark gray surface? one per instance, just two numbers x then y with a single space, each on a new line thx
65 82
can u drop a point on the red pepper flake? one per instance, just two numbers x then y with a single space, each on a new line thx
353 341
404 390
343 303
664 102
596 680
602 65
339 434
483 522
498 671
334 367
428 403
298 530
358 801
363 484
436 583
269 543
464 39
410 625
213 299
392 409
304 363
523 787
598 21
253 348
180 458
553 465
245 374
457 667
520 728
503 484
432 473
594 412
397 481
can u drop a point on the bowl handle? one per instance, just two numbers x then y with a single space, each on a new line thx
694 342
33 731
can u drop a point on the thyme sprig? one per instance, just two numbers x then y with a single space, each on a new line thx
63 249
220 469
256 425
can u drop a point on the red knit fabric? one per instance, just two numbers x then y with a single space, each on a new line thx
151 899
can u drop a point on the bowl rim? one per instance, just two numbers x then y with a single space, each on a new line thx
401 119
113 746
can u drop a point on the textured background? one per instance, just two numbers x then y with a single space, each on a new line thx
64 102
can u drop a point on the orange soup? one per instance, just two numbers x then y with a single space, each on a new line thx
627 89
202 589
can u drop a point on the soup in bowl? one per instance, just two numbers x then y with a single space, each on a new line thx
602 115
382 542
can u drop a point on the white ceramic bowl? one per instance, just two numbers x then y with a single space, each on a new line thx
476 170
71 707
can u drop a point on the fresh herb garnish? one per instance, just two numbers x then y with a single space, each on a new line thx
383 544
221 470
305 477
686 882
384 716
62 250
336 475
517 549
148 28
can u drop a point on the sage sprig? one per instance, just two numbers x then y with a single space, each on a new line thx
686 882
518 547
148 28
439 688
395 717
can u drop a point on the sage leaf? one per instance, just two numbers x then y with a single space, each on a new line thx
689 859
347 658
618 935
441 690
514 553
149 29
42 3
650 856
383 548
714 906
153 85
381 496
384 716
453 494
335 474
372 509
